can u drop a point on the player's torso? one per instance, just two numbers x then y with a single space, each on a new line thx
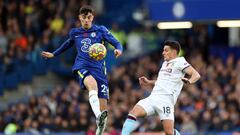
170 71
169 78
83 39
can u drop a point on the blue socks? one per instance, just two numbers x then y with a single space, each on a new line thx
129 125
176 132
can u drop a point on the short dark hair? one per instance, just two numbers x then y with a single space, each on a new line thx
85 10
173 45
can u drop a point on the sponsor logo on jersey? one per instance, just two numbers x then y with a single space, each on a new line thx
169 70
86 43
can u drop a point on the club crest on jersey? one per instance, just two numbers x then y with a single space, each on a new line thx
171 64
93 34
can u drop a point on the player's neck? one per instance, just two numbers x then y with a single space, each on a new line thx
87 28
172 58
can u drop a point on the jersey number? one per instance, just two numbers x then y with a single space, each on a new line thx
166 110
104 88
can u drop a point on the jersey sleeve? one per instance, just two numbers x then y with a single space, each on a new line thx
65 45
110 38
183 64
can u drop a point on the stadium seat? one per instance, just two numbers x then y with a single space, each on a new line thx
40 66
25 71
1 84
11 80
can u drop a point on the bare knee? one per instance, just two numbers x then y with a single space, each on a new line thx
90 83
169 132
138 111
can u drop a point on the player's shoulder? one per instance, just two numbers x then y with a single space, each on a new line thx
103 28
73 31
180 59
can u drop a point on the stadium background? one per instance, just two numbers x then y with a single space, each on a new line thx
39 96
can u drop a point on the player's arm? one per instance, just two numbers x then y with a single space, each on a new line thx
113 41
66 45
194 75
146 83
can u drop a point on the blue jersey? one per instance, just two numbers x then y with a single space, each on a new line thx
83 39
84 65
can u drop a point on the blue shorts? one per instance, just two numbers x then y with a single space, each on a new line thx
102 83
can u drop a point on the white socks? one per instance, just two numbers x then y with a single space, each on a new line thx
94 102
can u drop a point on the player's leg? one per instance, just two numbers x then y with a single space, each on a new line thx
131 123
103 104
168 126
176 132
141 109
87 81
97 99
102 119
91 84
167 117
103 95
165 109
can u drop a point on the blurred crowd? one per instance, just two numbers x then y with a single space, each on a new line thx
30 26
211 105
26 28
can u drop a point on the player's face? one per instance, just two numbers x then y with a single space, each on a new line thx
168 53
86 20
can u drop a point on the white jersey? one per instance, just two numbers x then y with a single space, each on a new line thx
169 77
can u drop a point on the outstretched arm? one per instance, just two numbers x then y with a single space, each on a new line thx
194 75
66 45
146 83
113 41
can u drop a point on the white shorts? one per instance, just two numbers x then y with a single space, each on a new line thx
162 105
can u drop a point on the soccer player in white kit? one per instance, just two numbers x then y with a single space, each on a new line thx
165 92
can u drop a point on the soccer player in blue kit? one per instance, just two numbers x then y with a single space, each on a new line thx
91 73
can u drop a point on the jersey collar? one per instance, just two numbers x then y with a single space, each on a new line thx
88 30
172 60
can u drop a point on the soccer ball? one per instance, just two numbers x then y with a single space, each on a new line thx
97 51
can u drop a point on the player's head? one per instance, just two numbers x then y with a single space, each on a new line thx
171 49
86 15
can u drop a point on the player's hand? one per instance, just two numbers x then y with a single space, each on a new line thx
47 54
185 80
144 82
117 53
